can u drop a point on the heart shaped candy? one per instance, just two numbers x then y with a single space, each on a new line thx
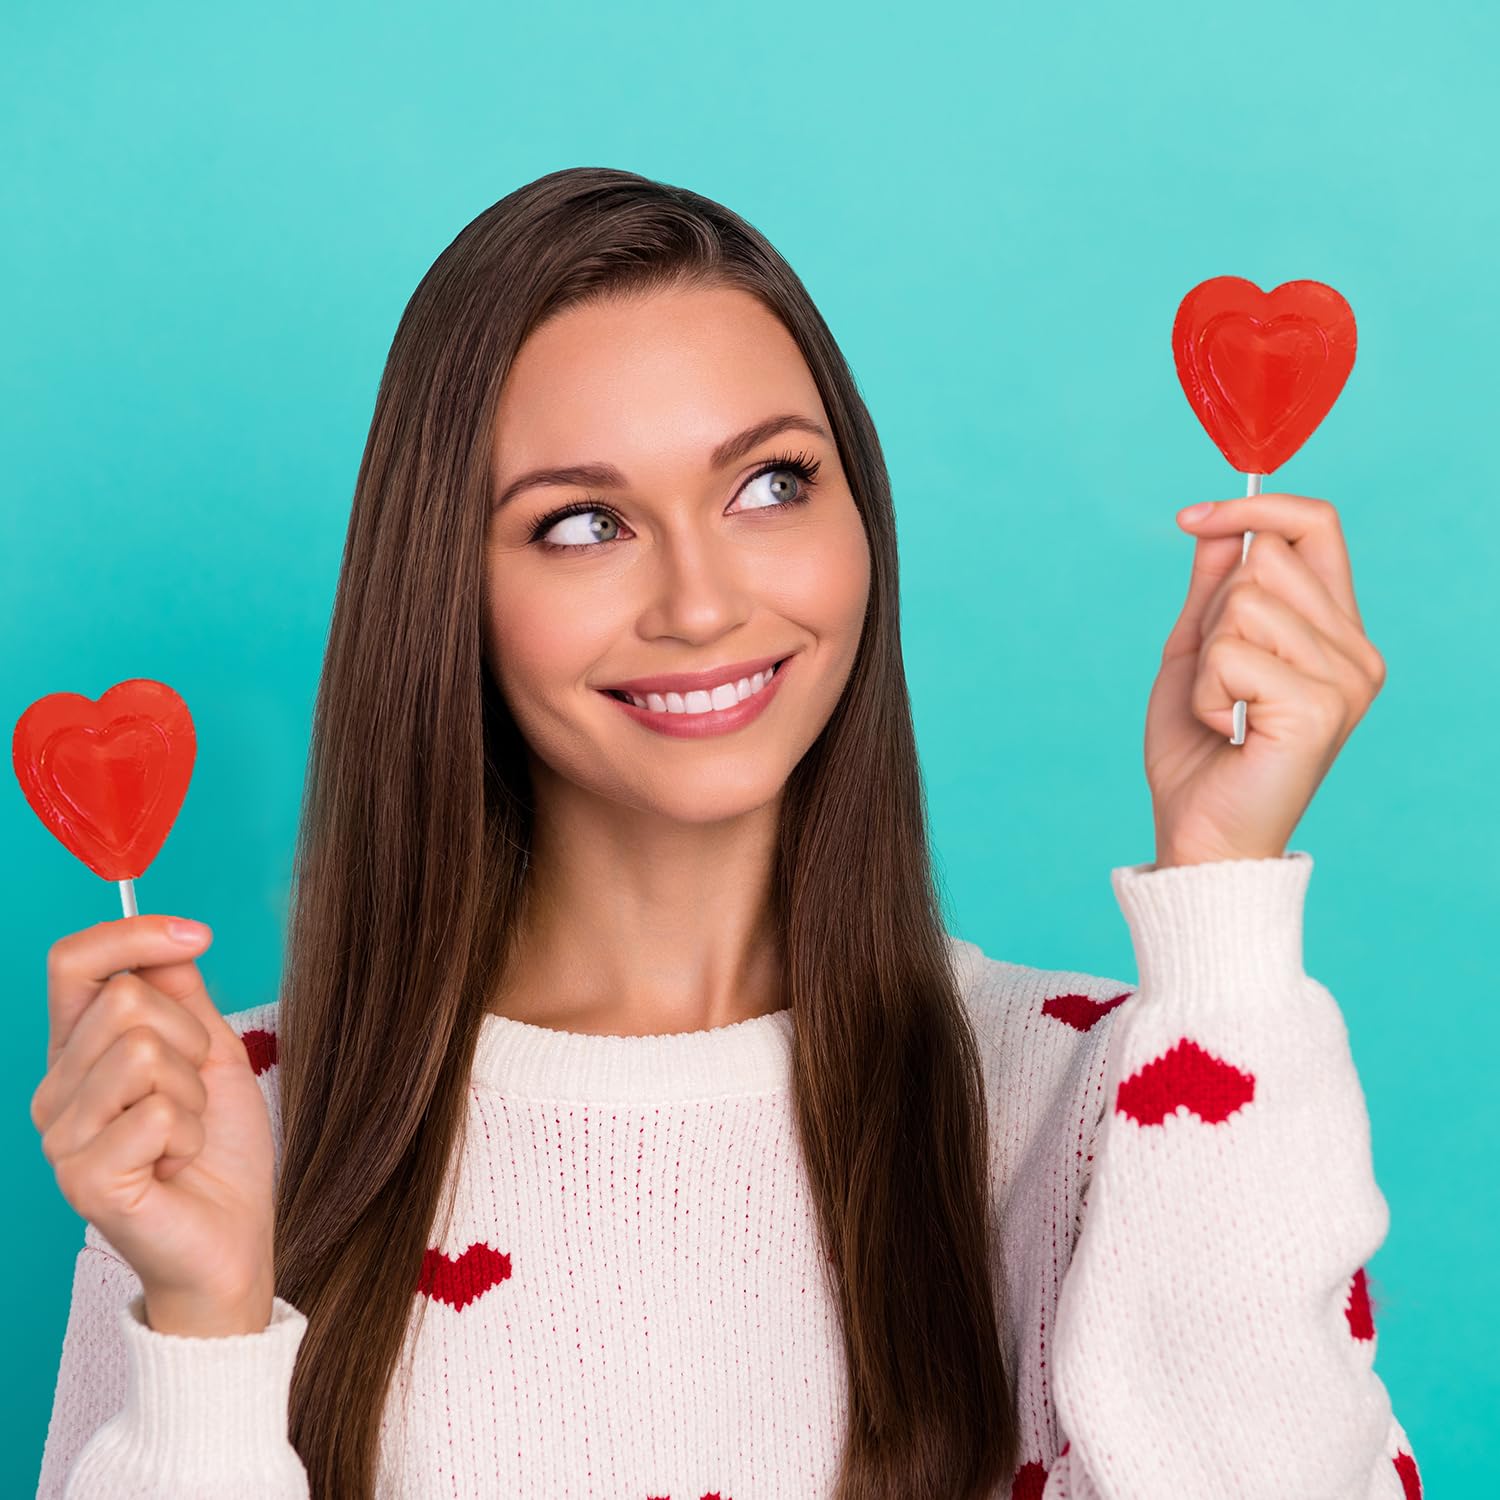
1262 369
107 778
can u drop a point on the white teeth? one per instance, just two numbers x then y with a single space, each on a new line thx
725 695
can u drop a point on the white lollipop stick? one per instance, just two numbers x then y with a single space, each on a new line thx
1252 487
127 900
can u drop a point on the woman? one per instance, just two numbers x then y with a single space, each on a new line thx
636 1128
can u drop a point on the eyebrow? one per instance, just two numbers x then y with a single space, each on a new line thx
601 475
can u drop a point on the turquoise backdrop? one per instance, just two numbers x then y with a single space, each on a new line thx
215 214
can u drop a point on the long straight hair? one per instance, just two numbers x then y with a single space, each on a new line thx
409 878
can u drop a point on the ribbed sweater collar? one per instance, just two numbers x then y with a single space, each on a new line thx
539 1062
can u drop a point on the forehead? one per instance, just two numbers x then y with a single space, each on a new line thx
663 375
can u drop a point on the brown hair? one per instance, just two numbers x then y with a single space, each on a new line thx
410 862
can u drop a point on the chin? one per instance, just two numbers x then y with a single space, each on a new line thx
704 799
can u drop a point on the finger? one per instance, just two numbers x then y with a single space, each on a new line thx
1310 525
78 965
107 1176
135 1064
1254 615
1214 560
126 1002
1277 568
1281 702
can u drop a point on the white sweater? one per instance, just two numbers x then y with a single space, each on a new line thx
629 1302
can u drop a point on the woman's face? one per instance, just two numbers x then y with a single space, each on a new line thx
677 559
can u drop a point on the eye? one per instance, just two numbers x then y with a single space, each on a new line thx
576 537
602 529
782 491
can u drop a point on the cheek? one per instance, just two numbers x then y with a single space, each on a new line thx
823 582
542 640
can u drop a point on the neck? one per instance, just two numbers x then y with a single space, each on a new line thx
636 925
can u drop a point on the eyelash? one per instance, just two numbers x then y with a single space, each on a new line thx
803 465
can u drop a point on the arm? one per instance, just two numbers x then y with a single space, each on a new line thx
1212 1332
139 1413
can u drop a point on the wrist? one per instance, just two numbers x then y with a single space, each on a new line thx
204 1317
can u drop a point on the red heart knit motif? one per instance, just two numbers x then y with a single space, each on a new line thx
261 1045
1079 1011
1361 1319
1186 1074
1029 1483
1406 1470
459 1281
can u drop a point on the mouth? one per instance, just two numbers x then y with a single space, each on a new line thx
704 713
703 701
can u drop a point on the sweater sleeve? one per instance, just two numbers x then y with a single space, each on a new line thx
1213 1331
139 1414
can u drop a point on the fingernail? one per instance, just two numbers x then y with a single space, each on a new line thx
1194 512
180 930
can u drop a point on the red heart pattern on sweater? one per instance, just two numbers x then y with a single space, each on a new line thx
1185 1075
1361 1319
460 1280
1030 1482
261 1045
1079 1011
463 1279
1406 1471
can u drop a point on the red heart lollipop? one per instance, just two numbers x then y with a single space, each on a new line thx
108 778
1262 369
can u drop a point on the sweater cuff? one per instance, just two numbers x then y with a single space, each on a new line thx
209 1401
1224 925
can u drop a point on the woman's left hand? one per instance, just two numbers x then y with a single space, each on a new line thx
1282 632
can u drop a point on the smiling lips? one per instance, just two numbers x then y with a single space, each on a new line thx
687 682
727 705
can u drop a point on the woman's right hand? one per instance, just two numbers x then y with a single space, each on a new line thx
153 1121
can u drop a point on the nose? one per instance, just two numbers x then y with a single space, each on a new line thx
700 586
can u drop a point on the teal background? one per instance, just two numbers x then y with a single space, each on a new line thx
214 217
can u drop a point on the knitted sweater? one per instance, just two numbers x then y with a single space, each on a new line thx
629 1301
